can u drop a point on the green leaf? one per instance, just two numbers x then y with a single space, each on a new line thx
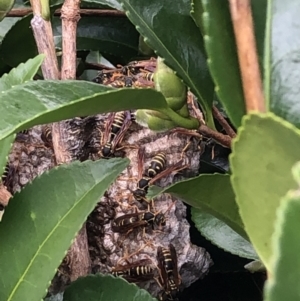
221 235
23 73
212 194
19 34
5 147
5 7
259 15
263 154
112 3
111 35
196 13
104 288
283 281
41 221
69 99
5 26
222 58
282 60
182 47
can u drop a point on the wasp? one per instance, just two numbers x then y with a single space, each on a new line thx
128 222
46 135
138 271
130 70
169 276
121 82
115 129
148 65
103 77
149 76
154 172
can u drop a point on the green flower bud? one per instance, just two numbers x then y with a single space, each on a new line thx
155 121
170 85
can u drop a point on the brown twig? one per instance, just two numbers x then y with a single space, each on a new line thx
244 34
43 35
222 139
70 17
78 253
223 122
16 12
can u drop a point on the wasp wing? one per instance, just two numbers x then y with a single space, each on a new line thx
125 126
174 168
108 125
177 279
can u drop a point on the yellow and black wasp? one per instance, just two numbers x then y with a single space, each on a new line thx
155 171
46 135
138 271
126 223
116 127
169 276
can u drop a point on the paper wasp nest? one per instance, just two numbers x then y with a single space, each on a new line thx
30 158
193 261
107 249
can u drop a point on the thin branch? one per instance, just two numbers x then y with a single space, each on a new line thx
78 253
228 129
70 17
17 12
245 39
43 35
222 139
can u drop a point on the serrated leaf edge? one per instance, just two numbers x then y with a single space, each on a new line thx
245 120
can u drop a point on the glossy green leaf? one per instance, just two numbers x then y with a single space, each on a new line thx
5 7
282 64
283 281
222 58
263 154
5 147
196 13
19 34
50 101
23 73
111 35
222 235
5 26
111 3
212 194
182 47
104 288
40 222
259 15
